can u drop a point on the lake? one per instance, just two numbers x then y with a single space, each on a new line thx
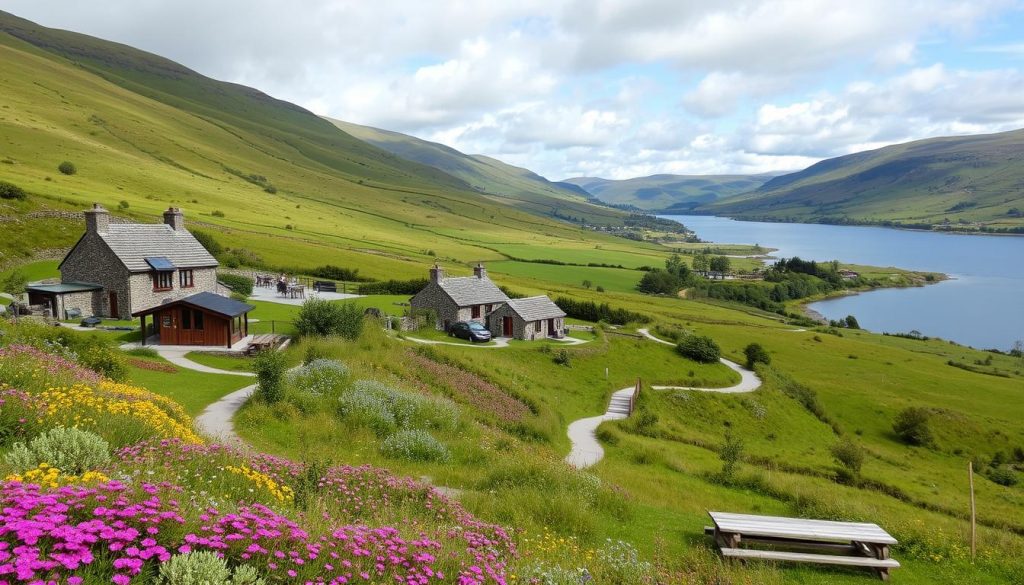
982 306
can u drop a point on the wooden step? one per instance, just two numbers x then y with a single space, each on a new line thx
772 555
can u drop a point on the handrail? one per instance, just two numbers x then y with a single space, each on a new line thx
632 399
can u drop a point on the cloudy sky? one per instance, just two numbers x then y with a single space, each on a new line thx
610 88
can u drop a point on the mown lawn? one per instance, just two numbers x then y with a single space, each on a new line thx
194 390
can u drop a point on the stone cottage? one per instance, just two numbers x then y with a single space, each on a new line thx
530 318
120 269
454 299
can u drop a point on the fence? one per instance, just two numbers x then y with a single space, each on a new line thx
632 399
271 326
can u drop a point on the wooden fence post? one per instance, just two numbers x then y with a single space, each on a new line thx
974 527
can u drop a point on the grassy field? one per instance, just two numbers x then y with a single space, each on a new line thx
194 390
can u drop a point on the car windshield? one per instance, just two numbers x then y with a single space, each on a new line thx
477 327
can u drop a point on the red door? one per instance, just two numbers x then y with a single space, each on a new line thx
113 305
167 321
506 326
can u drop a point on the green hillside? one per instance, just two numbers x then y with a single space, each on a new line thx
265 175
668 193
518 186
970 181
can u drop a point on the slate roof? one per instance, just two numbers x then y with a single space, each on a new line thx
536 308
134 242
64 287
212 302
470 290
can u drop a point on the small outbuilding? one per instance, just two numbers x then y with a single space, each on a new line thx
204 319
530 318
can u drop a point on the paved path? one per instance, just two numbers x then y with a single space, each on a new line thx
216 420
586 450
177 357
269 295
498 342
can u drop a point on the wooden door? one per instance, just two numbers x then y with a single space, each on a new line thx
198 327
113 305
506 326
167 321
192 327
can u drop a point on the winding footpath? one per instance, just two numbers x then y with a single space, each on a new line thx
586 450
499 342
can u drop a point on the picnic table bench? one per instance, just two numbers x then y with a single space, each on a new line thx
855 544
262 342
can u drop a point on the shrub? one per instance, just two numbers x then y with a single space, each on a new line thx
1003 476
911 426
851 456
393 287
562 358
318 317
237 283
699 348
332 272
384 408
123 204
208 241
205 568
70 450
414 445
11 191
369 408
756 354
270 366
67 168
320 377
591 311
730 454
217 213
104 359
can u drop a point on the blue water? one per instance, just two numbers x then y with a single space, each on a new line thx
982 306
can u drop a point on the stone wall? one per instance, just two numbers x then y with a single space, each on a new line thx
433 298
143 296
92 261
523 329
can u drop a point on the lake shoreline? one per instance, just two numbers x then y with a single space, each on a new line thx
866 224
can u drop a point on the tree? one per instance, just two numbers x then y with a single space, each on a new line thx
730 454
701 263
851 322
699 348
756 354
14 284
209 242
659 282
11 191
720 264
67 168
912 427
587 284
270 366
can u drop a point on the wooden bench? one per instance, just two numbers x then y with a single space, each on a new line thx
855 544
262 342
325 286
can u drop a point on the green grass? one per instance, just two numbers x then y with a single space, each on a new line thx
431 334
194 390
612 279
221 361
34 271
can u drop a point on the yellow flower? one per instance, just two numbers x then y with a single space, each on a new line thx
48 476
281 492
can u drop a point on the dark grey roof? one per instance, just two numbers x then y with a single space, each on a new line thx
64 287
213 303
470 290
134 242
536 308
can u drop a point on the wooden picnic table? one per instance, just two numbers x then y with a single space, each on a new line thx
858 544
262 342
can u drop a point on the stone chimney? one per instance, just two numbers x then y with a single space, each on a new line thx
97 220
436 274
174 218
479 271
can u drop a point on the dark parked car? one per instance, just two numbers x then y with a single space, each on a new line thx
470 330
91 321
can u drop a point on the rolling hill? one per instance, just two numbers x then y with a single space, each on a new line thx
668 193
485 174
971 181
267 176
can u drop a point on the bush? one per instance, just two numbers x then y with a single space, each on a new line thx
1003 476
591 311
67 167
332 272
237 283
123 204
394 287
318 317
851 456
70 450
756 354
217 213
911 426
320 377
270 366
11 191
104 359
208 241
384 408
562 358
414 445
205 568
730 454
699 348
